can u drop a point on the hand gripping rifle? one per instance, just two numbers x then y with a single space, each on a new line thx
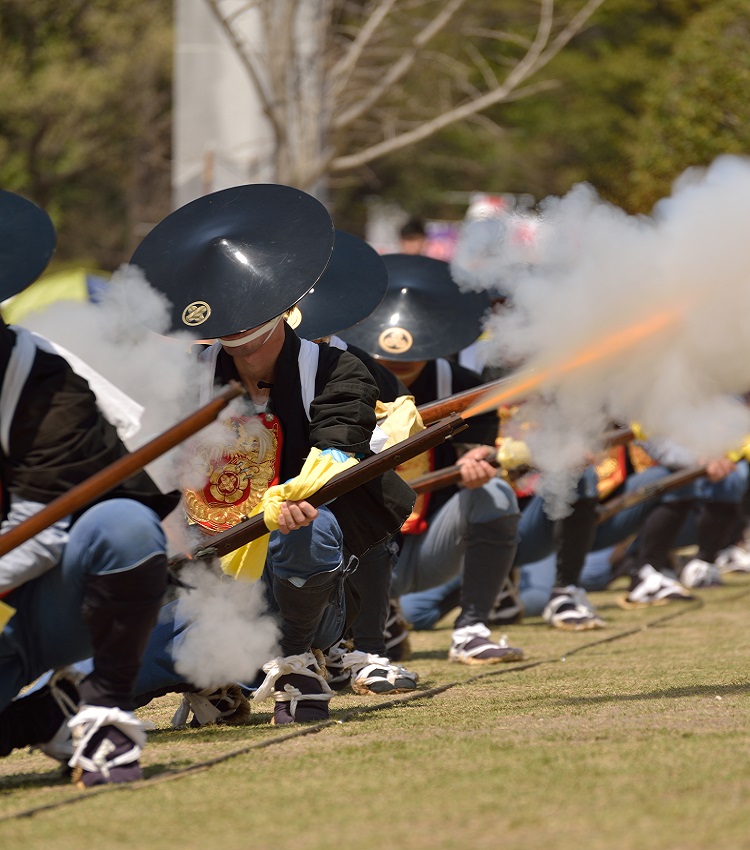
109 477
439 478
250 529
452 474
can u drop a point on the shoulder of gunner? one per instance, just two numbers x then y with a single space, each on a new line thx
342 413
667 452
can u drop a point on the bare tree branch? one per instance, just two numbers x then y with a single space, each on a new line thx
575 25
429 128
490 80
322 90
526 66
245 58
342 70
246 7
401 66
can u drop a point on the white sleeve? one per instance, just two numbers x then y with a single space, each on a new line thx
36 556
667 453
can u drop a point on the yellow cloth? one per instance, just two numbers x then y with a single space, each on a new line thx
638 433
741 453
247 562
513 453
399 419
70 285
6 612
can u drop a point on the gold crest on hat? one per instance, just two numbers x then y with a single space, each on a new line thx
196 313
395 340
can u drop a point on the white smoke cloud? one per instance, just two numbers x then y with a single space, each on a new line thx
593 271
113 337
231 634
237 429
123 337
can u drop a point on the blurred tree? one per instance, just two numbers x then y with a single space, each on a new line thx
85 117
578 130
699 107
343 84
418 101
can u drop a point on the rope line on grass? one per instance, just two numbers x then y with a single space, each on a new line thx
207 764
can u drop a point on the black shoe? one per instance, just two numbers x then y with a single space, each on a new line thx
508 608
226 705
570 610
472 645
374 674
337 674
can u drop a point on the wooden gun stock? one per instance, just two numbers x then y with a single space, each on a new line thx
618 437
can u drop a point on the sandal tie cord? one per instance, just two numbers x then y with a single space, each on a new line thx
89 720
303 665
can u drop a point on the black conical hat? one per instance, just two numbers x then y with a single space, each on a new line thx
234 259
424 314
27 242
352 286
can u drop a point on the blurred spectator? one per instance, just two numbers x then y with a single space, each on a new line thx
413 237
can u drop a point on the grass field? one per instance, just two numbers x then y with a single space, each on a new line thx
637 737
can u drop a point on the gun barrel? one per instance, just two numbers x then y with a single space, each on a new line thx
458 403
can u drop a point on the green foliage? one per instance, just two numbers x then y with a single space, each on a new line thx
580 130
85 110
698 108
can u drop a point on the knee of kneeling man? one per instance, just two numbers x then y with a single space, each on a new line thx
121 524
494 500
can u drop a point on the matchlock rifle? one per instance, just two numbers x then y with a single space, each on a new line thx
251 529
613 506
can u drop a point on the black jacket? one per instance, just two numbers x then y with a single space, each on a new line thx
58 438
343 417
389 386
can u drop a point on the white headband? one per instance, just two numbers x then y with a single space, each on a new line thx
269 327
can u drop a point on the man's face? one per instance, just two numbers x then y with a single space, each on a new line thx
406 370
413 244
248 342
